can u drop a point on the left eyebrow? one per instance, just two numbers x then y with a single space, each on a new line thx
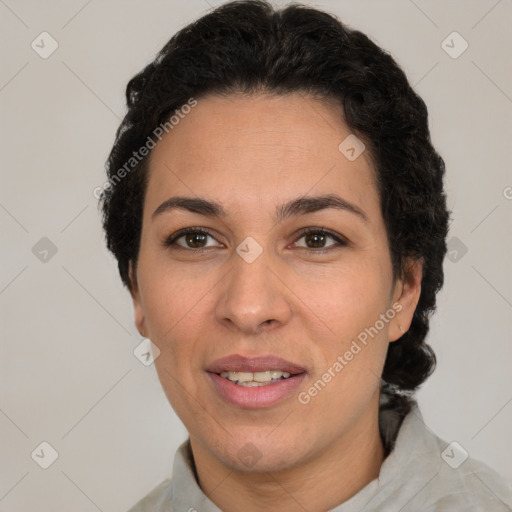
305 205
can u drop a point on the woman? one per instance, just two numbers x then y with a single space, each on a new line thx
278 215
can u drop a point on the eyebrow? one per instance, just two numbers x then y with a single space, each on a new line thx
296 207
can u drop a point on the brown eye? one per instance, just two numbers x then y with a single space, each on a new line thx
195 240
190 239
316 239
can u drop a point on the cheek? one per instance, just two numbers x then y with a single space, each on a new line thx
347 298
179 307
179 301
176 311
349 303
172 294
347 371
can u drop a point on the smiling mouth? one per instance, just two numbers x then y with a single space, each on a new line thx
248 379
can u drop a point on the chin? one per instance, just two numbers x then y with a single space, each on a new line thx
258 453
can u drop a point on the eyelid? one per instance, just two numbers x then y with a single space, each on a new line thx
340 239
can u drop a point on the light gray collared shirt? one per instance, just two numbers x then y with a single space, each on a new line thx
422 473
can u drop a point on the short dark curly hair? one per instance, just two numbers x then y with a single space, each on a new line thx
247 46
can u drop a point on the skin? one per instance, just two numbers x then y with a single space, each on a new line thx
251 154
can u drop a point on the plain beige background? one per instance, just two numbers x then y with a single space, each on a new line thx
69 376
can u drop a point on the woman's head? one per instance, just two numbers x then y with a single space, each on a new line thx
293 121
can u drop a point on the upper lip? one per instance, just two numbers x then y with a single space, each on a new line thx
239 363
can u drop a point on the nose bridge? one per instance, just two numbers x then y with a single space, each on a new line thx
253 295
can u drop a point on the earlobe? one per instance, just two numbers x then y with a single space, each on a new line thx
407 294
138 312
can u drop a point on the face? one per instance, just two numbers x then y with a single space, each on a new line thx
278 261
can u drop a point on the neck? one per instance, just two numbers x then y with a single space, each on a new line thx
324 482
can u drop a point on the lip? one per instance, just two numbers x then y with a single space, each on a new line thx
258 396
239 363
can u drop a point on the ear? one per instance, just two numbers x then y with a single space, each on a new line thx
138 312
406 296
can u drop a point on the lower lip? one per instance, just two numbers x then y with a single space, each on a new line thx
257 396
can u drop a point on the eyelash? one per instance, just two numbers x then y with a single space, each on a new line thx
169 242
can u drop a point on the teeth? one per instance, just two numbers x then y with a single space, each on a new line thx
249 379
262 376
250 384
243 376
253 384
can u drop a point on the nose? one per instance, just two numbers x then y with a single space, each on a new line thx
253 297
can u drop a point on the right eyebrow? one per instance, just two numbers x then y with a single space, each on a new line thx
191 204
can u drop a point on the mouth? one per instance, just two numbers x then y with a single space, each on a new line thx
254 382
259 370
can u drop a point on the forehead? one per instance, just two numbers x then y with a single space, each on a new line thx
259 150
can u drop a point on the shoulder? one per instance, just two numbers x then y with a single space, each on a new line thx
158 499
472 487
424 472
464 483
